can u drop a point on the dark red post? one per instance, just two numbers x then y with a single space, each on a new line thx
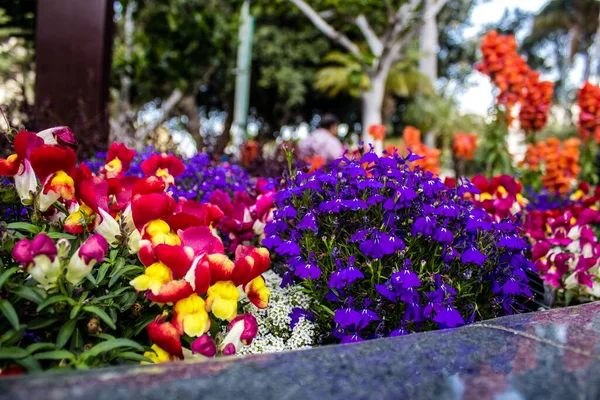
73 61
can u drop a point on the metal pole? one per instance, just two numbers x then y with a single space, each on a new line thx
242 83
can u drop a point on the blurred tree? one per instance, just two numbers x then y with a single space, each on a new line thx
17 43
457 53
172 52
396 25
440 116
344 74
561 30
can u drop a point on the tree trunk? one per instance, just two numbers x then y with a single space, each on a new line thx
428 46
566 62
188 103
122 129
587 67
225 137
596 53
372 106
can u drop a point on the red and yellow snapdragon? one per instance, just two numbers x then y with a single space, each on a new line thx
178 241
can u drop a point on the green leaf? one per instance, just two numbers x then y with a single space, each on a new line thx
65 332
24 226
140 326
12 353
91 278
110 345
41 322
116 293
117 274
30 364
75 311
76 340
7 274
28 293
9 313
101 314
106 336
55 299
102 272
60 235
55 355
129 355
32 348
12 336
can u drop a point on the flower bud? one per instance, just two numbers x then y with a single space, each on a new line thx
64 246
242 330
92 251
93 327
204 345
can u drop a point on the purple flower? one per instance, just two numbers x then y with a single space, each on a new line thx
287 279
359 236
448 317
287 212
380 244
405 279
298 313
401 331
432 187
332 206
406 193
414 312
353 338
512 286
271 241
466 187
474 256
289 247
367 316
386 292
346 317
309 221
307 270
443 235
354 204
449 254
433 299
344 277
424 225
375 199
513 242
448 209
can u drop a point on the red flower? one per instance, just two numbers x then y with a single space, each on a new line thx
166 336
164 166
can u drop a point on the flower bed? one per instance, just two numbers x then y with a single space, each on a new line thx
110 268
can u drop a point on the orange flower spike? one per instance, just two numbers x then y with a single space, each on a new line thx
377 132
315 163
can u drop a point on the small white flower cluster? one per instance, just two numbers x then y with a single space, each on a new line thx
274 332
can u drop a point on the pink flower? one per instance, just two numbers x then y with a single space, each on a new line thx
91 252
204 345
242 330
39 258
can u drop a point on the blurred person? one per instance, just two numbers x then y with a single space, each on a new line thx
323 142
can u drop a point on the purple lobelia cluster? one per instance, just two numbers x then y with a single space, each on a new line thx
202 176
386 251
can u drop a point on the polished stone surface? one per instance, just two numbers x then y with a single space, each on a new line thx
545 355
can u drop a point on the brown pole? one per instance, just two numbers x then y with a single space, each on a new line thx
73 61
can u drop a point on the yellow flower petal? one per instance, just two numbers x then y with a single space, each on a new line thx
222 300
154 277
